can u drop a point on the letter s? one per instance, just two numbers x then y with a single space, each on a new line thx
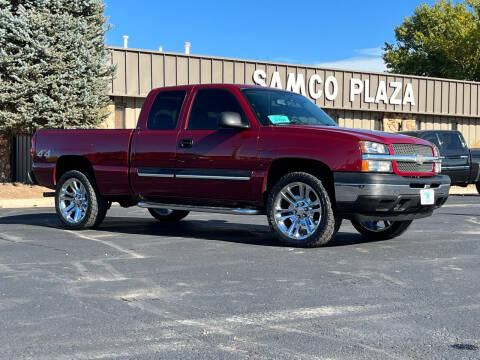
259 77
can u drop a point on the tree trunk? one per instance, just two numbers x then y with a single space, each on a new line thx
5 143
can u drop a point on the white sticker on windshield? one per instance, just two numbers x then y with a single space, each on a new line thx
278 119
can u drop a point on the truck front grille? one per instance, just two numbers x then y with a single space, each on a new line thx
412 149
414 168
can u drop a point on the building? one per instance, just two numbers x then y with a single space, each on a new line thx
367 100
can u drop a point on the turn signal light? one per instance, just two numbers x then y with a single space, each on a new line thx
376 166
32 146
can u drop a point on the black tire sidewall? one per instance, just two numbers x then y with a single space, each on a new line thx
326 228
396 229
175 215
338 224
94 210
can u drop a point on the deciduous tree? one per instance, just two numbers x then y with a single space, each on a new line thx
442 40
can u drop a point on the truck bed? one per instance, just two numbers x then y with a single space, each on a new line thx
106 150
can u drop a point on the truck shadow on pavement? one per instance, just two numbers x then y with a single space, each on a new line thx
216 230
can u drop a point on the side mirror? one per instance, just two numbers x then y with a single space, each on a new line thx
229 119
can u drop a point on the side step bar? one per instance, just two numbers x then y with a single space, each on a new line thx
209 209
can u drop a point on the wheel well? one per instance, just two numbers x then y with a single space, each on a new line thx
281 167
72 162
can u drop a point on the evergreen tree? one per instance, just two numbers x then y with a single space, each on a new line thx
53 71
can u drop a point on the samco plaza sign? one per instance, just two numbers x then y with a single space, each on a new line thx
387 92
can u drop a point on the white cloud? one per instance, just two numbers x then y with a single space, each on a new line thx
376 51
357 63
286 60
368 59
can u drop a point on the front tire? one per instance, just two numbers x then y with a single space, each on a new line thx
167 214
300 212
77 201
381 230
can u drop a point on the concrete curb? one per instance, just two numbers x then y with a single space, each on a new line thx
27 203
458 190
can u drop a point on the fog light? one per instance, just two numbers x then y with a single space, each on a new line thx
376 166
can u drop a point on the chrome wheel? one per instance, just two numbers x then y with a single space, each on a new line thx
377 226
297 210
73 201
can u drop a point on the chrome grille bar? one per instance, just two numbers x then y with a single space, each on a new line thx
419 159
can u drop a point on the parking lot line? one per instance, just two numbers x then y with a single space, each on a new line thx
132 253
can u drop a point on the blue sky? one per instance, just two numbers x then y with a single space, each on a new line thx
343 34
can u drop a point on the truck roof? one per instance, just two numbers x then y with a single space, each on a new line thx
425 131
217 85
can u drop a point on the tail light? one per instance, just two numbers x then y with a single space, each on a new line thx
32 147
438 164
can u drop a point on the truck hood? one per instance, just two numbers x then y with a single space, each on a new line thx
356 134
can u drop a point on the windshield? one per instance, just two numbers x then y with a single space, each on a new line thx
273 107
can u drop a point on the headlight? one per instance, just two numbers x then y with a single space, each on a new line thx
370 147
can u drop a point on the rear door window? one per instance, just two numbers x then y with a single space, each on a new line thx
165 110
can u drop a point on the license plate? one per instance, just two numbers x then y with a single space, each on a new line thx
427 197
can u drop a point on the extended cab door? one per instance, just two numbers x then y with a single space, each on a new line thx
154 145
215 164
456 163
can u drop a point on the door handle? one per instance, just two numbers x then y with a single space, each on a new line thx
185 143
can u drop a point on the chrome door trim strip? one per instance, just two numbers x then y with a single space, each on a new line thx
213 177
149 173
190 174
156 175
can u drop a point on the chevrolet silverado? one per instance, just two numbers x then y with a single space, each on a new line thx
242 149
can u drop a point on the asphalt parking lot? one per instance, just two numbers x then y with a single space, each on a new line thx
220 287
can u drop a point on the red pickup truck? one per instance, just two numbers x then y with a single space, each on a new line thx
247 150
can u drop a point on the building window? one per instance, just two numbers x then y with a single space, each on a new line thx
119 116
333 114
454 126
378 124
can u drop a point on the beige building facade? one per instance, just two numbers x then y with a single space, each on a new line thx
366 100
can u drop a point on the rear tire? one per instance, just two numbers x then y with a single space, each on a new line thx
373 230
300 212
77 201
167 214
